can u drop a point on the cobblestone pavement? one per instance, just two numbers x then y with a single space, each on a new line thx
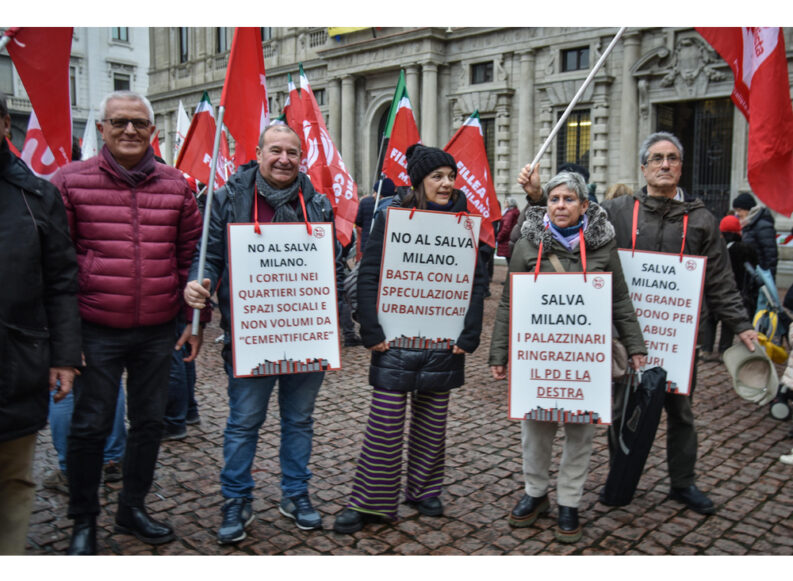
738 466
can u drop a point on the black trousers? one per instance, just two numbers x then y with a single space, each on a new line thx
145 352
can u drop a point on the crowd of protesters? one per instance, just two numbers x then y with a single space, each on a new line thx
104 283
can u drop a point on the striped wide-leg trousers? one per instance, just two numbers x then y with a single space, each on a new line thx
378 475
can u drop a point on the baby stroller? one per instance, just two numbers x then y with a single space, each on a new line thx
772 322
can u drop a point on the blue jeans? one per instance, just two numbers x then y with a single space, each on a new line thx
60 418
248 399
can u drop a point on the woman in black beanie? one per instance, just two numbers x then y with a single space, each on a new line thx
427 375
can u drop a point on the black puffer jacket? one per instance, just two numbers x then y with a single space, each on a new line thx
758 230
39 317
406 370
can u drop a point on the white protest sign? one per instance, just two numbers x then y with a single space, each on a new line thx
427 276
283 299
667 295
560 347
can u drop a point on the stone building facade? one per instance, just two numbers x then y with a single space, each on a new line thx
519 79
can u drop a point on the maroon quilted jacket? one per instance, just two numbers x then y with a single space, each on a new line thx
134 245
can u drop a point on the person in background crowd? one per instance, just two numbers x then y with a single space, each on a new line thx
134 223
396 373
661 208
508 220
757 229
275 178
556 230
740 253
617 190
39 328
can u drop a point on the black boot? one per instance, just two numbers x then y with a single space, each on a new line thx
528 509
568 529
133 520
83 536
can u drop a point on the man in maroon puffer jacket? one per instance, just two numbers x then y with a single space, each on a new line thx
135 225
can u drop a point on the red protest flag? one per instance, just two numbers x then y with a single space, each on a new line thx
293 117
402 132
226 166
324 164
155 144
467 146
35 151
762 93
244 94
41 57
195 157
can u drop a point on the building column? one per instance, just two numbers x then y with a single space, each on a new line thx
429 104
347 146
334 110
525 111
629 107
412 86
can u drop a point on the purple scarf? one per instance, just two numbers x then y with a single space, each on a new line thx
137 174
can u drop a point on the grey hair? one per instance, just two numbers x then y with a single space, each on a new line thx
510 202
126 95
278 127
573 181
654 138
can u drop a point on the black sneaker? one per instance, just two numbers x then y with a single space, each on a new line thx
111 471
192 419
237 514
173 433
693 498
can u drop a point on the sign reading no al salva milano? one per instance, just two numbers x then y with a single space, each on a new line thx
667 294
560 347
283 299
427 276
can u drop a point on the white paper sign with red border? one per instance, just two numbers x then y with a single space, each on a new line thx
427 276
560 347
667 295
284 317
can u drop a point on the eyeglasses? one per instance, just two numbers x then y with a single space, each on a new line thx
671 159
122 123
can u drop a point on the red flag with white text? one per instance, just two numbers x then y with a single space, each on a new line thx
325 166
467 146
195 157
245 93
757 58
35 151
41 57
403 133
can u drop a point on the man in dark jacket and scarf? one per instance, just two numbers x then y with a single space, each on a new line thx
39 328
662 209
270 189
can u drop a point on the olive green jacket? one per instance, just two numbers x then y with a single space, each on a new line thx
601 256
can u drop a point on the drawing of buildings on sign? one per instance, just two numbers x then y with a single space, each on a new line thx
562 415
290 366
420 342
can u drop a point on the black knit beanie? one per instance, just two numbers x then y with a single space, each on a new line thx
422 160
744 202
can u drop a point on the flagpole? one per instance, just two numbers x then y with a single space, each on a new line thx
202 255
576 98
